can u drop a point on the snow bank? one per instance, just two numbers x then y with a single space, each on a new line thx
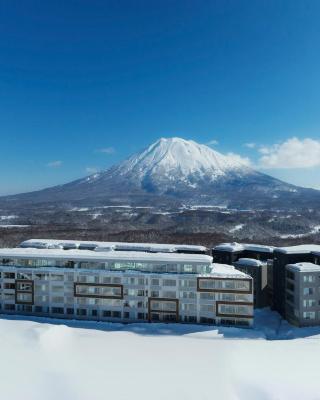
154 361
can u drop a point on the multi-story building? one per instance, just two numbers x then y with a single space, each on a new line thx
302 302
123 286
258 270
283 256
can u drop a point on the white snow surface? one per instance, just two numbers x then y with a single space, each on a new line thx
185 156
103 255
249 262
234 246
158 247
302 248
236 228
52 359
304 267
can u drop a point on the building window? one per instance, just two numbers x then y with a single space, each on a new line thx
57 310
9 275
9 307
106 313
116 314
309 315
169 282
309 303
308 291
308 278
140 315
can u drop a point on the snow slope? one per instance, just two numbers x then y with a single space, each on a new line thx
182 157
155 362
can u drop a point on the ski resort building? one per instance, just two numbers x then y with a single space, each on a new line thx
282 257
123 286
302 302
258 270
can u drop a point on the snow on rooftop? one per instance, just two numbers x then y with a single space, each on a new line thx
299 249
116 245
229 247
229 271
233 247
250 262
304 267
88 255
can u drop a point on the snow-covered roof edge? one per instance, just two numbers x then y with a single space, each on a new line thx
88 255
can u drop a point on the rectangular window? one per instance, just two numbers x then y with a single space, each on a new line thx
106 291
57 310
24 291
308 278
308 291
224 285
309 315
309 303
57 277
9 275
169 282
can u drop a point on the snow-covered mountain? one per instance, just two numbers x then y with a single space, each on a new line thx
178 171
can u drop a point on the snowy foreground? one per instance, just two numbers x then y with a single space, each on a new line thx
43 361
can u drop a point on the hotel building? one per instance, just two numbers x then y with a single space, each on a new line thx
302 304
104 284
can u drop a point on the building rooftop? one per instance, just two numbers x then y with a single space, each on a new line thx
304 267
90 256
300 249
250 262
227 271
234 247
156 247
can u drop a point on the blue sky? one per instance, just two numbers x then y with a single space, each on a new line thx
77 77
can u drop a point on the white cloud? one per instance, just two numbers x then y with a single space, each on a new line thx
91 170
250 145
292 153
243 160
107 150
212 142
55 164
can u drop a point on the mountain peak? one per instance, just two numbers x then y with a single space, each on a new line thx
178 158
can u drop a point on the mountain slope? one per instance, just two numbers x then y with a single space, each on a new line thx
174 171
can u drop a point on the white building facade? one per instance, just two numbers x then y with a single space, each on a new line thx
122 286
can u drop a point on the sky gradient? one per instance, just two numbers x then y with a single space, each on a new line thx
85 84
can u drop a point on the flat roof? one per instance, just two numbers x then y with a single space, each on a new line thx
115 245
227 271
88 255
250 262
300 249
234 247
304 267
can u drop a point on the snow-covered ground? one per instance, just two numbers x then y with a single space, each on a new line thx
85 360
